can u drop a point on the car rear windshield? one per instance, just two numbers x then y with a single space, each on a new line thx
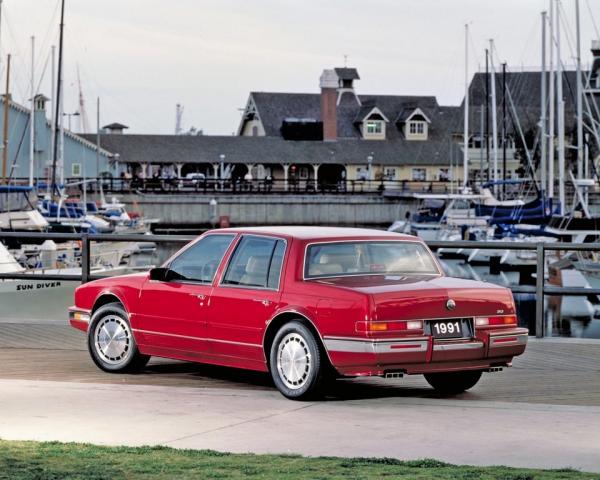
338 259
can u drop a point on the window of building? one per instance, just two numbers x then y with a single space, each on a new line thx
416 128
374 127
419 174
390 174
444 175
362 174
76 170
303 173
256 262
199 263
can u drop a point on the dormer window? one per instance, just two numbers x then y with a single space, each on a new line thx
374 127
416 125
372 123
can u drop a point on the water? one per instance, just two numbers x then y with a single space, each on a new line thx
566 316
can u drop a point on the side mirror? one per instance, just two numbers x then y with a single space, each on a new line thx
159 273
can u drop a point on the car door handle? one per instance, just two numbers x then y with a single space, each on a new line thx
265 302
199 296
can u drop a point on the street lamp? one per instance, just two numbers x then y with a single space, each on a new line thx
74 114
213 205
222 169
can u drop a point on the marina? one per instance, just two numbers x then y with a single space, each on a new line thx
299 239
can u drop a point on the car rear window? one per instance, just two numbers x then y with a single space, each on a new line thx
368 258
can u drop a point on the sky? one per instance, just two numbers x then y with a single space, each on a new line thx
142 57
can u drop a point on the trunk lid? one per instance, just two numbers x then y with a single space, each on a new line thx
426 297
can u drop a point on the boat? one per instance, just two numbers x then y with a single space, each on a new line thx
18 211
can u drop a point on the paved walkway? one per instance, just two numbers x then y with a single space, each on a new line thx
544 412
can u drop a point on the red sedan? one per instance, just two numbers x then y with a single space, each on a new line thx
305 304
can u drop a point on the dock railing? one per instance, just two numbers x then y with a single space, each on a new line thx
540 289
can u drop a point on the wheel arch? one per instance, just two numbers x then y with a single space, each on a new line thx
281 319
105 298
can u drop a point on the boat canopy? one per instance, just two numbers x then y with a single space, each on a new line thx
15 188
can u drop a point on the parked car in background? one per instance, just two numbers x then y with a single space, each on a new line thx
305 304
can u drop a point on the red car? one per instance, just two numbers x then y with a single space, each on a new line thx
305 304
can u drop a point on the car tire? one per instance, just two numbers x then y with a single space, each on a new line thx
296 362
111 342
453 382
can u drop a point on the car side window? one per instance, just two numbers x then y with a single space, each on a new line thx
256 262
199 263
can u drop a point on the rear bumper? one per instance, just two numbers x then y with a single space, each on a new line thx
79 318
361 356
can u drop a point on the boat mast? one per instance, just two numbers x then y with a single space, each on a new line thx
487 113
98 142
551 104
494 121
561 117
58 99
579 97
52 114
6 108
61 122
503 129
543 112
32 115
466 123
482 136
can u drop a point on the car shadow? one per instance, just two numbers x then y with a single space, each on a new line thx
210 373
338 390
358 389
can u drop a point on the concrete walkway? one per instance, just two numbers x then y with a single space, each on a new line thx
457 431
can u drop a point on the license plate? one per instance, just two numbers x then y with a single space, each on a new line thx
447 328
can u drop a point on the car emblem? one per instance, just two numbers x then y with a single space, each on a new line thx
450 304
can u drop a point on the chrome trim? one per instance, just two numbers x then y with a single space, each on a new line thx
521 339
457 346
439 274
137 330
375 346
248 287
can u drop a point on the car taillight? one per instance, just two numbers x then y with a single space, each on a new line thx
495 320
391 326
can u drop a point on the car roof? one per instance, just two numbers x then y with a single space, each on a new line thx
320 233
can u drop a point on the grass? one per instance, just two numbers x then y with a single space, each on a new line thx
54 461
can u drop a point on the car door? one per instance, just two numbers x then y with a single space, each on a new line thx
246 298
173 313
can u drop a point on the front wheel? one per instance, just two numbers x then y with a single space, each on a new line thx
453 382
296 362
111 343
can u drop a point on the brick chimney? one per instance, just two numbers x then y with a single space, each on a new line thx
329 82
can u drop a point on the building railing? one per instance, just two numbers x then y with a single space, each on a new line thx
540 290
75 186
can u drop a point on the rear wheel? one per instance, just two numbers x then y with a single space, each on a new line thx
111 343
296 362
453 382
